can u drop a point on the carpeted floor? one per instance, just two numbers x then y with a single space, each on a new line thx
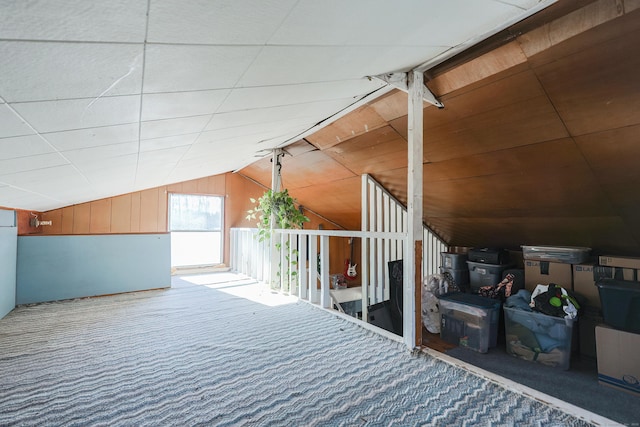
215 350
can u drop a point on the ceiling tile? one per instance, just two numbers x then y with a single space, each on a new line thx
179 68
103 152
116 168
72 114
207 163
22 146
181 104
118 172
215 21
92 137
281 65
74 20
105 182
167 156
43 181
218 149
316 111
11 124
525 4
272 96
172 127
19 198
35 162
35 71
340 23
263 131
167 142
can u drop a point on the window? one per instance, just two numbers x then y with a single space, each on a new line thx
196 226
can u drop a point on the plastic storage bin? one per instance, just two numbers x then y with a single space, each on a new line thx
469 321
537 337
453 261
489 255
481 274
620 301
562 254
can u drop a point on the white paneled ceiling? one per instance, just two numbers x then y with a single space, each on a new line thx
100 98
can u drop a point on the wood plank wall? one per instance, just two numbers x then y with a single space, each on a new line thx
139 212
146 212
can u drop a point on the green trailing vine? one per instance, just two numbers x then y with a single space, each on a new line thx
283 206
286 216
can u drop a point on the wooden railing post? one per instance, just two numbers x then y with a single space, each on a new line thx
325 284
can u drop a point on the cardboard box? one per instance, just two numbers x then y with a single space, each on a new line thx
543 272
618 361
619 261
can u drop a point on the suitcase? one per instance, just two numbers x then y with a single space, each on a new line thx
489 256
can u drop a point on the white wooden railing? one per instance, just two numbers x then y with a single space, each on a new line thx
381 212
300 258
297 261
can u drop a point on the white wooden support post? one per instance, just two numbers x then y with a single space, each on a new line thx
364 248
303 276
412 261
276 179
274 253
325 285
313 269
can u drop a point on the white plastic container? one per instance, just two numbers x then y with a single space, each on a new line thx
469 320
561 254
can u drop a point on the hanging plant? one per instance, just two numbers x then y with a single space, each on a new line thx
282 206
286 216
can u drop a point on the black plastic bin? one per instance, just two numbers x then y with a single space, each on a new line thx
620 304
489 255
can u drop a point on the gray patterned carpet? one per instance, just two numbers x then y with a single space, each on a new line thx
213 355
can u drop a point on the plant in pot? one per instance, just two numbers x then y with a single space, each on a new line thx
281 207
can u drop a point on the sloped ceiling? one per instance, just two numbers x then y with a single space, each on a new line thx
100 98
537 144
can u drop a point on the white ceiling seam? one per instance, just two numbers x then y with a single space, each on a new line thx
141 105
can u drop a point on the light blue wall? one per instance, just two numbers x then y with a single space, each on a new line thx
53 268
8 242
